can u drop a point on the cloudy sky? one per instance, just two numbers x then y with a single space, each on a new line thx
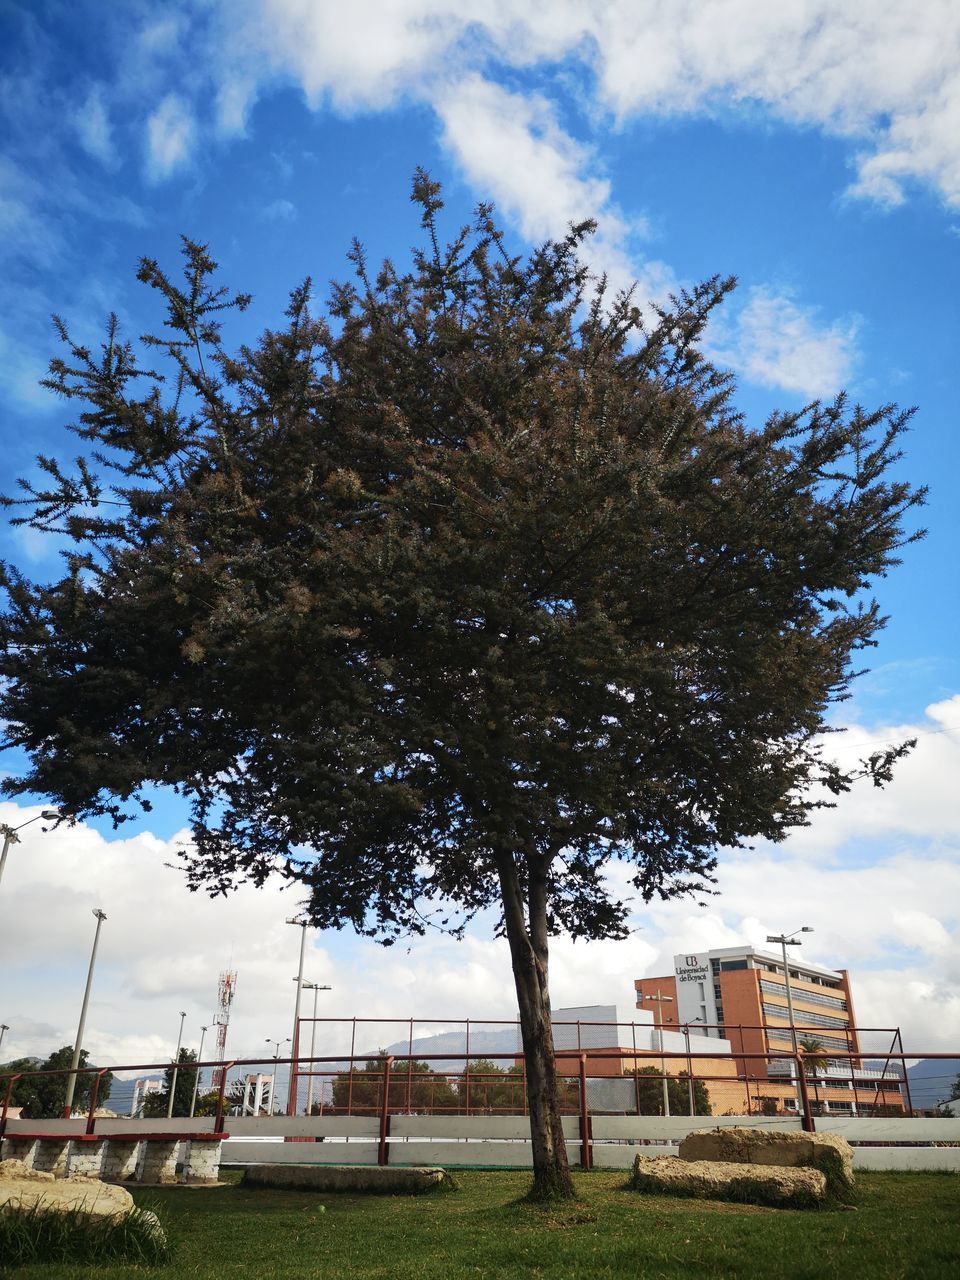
810 147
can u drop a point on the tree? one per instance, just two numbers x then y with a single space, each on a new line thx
446 599
44 1096
485 1086
650 1094
414 1086
815 1061
155 1104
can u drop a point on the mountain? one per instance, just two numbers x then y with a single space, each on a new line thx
931 1080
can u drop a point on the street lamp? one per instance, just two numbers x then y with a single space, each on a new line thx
276 1059
314 987
78 1045
196 1079
176 1065
10 833
295 1039
789 940
661 1000
690 1091
4 1026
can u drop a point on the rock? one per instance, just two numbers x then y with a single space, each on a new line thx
18 1170
363 1179
715 1180
88 1195
832 1155
151 1221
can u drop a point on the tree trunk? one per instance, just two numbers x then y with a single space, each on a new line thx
527 935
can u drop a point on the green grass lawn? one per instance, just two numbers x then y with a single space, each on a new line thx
907 1225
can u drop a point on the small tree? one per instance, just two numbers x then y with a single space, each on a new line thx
650 1094
486 1086
44 1096
155 1104
414 1086
815 1061
449 598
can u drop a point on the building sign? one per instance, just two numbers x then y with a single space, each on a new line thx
694 977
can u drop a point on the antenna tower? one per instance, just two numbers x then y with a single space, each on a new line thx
226 990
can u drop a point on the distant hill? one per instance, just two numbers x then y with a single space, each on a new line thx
931 1081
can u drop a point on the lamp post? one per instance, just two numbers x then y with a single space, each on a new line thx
295 1038
789 940
276 1059
176 1065
4 1027
661 1000
196 1079
314 987
78 1045
10 833
690 1090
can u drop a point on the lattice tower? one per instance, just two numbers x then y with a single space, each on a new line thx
226 990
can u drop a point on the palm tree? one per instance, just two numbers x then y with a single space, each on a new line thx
815 1061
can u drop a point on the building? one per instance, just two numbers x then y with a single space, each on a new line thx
740 994
617 1047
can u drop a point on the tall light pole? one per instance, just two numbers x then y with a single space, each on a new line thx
690 1092
276 1059
78 1044
314 987
196 1079
295 1038
176 1066
4 1027
789 940
661 1000
10 834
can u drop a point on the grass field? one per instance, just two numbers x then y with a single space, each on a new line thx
907 1225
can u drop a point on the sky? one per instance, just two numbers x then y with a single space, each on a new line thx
811 148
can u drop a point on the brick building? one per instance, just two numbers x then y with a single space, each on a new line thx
740 994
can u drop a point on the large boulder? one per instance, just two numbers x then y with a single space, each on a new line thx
831 1155
361 1179
24 1188
772 1185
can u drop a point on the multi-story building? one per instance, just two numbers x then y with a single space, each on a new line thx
740 994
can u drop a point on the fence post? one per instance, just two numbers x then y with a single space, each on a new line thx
94 1091
6 1101
586 1149
218 1119
385 1111
808 1122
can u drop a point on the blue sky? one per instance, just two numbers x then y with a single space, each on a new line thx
812 148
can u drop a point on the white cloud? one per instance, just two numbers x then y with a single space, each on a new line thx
280 211
510 146
776 342
92 123
171 134
885 75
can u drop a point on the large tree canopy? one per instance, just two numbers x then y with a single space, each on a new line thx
449 596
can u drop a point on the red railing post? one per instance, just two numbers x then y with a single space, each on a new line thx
808 1122
6 1101
385 1111
218 1118
353 1049
94 1092
586 1147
